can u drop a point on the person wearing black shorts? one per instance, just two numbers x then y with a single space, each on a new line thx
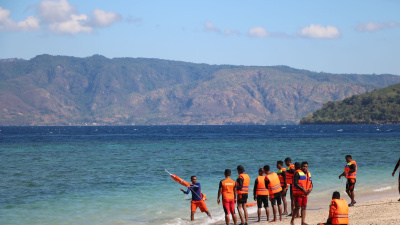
394 171
242 185
273 184
350 171
261 193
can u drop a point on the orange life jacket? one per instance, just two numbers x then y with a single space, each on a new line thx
246 182
281 179
289 175
339 212
274 185
228 186
261 189
347 169
302 183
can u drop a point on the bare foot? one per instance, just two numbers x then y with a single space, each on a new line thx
292 222
272 221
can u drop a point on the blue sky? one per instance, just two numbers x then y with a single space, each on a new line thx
338 36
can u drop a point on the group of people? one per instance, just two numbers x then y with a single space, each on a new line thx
274 187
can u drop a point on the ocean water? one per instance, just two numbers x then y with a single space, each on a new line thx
116 175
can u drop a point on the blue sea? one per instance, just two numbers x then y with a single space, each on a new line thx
116 175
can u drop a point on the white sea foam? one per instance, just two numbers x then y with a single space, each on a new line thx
383 189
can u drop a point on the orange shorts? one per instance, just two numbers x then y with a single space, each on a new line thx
201 204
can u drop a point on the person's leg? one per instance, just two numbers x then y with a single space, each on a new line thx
259 214
234 217
227 219
265 200
192 215
399 184
284 202
273 205
291 201
239 206
303 215
246 216
267 212
296 209
280 211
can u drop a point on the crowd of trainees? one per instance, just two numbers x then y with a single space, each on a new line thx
273 187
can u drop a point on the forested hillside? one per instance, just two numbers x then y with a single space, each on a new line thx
62 90
379 107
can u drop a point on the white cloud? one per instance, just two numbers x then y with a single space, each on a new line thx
62 18
318 31
210 27
103 19
73 26
6 23
371 26
55 11
258 32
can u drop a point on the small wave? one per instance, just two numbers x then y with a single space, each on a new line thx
382 189
340 130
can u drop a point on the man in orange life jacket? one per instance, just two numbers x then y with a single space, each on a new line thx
282 177
275 189
227 188
197 196
261 193
338 211
242 185
289 180
350 171
302 187
394 171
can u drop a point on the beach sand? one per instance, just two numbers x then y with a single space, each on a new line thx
370 209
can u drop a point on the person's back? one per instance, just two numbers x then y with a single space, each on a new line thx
339 212
227 188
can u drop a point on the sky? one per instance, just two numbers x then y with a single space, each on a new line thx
340 36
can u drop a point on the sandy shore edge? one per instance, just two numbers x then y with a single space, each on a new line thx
371 209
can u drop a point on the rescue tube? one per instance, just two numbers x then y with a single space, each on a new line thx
178 179
251 204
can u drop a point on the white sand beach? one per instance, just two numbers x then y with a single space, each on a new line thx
371 209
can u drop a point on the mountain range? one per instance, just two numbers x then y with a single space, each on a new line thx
64 90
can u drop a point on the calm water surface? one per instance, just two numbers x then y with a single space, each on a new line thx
115 175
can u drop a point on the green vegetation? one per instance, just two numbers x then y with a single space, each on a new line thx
377 107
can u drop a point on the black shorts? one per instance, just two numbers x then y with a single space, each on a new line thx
242 198
275 198
291 192
283 193
351 183
262 199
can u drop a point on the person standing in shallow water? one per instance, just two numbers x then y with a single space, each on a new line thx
394 171
197 198
350 172
242 185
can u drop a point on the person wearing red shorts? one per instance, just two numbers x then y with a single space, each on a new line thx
302 186
197 198
227 188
